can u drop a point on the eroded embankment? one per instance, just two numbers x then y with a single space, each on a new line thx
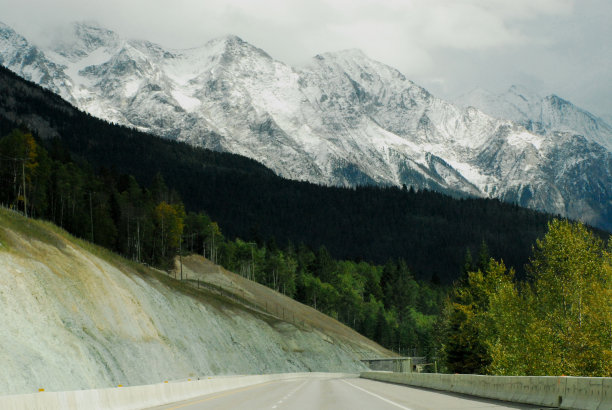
75 316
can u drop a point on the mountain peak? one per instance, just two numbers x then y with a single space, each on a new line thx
346 53
524 93
7 32
233 46
358 64
477 92
82 38
518 88
233 39
94 33
541 114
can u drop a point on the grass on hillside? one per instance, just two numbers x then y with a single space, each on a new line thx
55 236
51 234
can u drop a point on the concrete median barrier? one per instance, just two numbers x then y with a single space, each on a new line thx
580 393
606 394
139 397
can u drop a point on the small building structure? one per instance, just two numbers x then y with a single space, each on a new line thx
395 364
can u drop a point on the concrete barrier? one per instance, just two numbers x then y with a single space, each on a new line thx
580 393
138 397
606 394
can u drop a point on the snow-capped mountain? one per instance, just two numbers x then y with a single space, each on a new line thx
18 55
344 119
540 114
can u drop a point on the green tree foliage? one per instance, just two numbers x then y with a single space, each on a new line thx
198 231
560 322
348 291
110 210
280 268
571 303
133 223
463 346
169 224
21 172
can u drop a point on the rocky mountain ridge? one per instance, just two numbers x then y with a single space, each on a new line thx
540 114
343 119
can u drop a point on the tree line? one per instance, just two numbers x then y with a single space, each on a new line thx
114 211
150 225
383 302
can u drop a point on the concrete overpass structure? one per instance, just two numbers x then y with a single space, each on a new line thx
394 364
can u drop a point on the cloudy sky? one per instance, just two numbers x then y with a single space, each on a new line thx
448 46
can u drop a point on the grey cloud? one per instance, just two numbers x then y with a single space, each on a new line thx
449 46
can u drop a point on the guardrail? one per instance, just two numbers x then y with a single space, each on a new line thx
139 397
565 392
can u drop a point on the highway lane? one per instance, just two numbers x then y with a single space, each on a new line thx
337 394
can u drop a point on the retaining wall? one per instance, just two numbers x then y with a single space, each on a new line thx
139 397
584 393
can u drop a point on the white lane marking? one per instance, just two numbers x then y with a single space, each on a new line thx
289 394
377 396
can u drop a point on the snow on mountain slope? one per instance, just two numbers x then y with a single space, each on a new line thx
540 114
343 119
18 55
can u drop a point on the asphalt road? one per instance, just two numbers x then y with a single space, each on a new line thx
336 394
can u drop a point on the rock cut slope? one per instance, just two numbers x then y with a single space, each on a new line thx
343 119
76 316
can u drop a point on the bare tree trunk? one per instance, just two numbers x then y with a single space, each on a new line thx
138 239
91 218
25 201
213 250
162 239
62 211
53 207
181 255
130 249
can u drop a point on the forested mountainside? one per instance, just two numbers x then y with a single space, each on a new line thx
432 232
343 119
